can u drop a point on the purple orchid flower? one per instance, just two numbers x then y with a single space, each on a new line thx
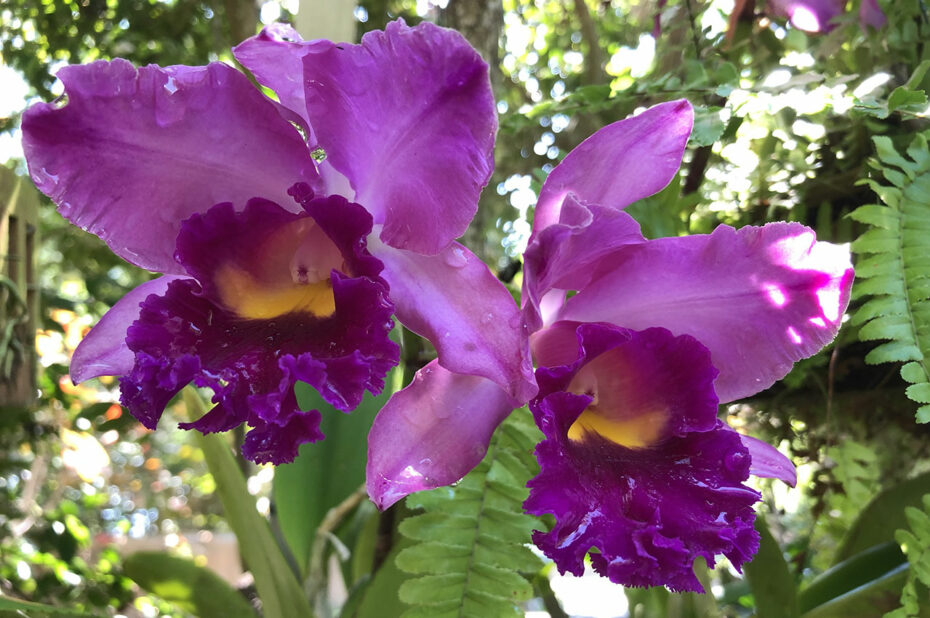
820 15
288 234
632 365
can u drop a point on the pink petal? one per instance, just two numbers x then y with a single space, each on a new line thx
432 433
103 351
408 116
768 462
136 151
275 57
620 164
453 300
871 14
564 255
808 15
759 298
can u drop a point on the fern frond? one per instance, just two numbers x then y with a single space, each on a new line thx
471 536
916 545
895 276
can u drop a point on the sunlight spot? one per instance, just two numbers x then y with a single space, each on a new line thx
819 322
778 77
776 295
870 84
805 19
795 337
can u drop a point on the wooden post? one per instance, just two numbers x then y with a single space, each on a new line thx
19 291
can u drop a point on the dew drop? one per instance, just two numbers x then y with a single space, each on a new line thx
487 318
45 175
456 258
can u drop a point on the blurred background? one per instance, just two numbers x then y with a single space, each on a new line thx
784 128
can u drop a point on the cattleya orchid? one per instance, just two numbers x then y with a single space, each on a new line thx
289 232
632 365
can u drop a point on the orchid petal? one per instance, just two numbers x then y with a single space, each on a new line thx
432 432
103 351
136 151
871 14
621 163
808 15
759 298
563 255
768 462
408 116
636 463
275 57
454 301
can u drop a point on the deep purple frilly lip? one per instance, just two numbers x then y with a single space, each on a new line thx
651 510
252 365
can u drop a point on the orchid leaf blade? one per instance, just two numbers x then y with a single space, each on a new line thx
771 582
28 608
191 587
325 473
281 594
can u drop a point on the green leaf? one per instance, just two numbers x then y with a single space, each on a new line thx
380 595
916 544
896 277
904 97
324 473
37 609
862 568
882 516
771 582
867 601
708 127
666 213
469 543
277 586
918 75
193 588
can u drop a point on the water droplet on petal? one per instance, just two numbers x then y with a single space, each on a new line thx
456 258
487 318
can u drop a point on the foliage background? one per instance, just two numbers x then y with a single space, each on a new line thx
789 125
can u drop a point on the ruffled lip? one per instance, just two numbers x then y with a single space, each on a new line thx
188 335
649 510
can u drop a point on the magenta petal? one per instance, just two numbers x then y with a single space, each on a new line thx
432 433
453 300
408 116
870 14
564 255
275 57
103 351
808 15
621 163
649 507
760 298
136 151
768 462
